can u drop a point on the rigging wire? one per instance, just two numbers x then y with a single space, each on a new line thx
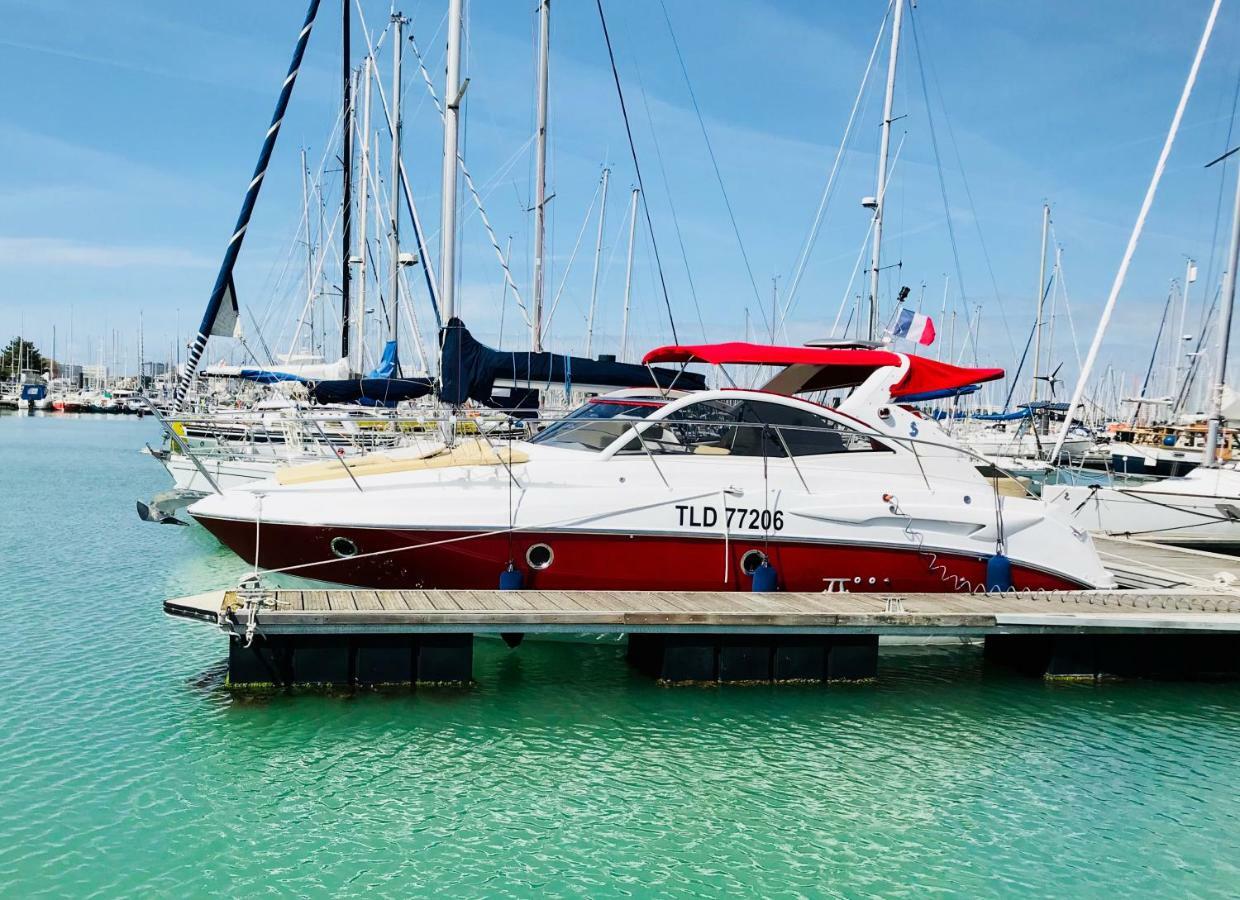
671 202
473 190
628 130
1067 303
711 151
585 222
895 158
938 160
968 191
1222 190
828 190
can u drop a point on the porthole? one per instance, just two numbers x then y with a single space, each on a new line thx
752 561
539 556
343 547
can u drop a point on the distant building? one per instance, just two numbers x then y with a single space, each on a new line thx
65 370
97 374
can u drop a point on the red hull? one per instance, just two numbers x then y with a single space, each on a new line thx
601 561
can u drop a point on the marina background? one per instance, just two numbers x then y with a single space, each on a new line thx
127 768
126 205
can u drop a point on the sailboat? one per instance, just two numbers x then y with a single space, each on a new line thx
1198 509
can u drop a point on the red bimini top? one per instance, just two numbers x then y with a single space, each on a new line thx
840 367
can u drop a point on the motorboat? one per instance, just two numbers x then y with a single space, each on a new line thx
655 489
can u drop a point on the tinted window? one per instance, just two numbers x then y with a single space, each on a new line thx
752 428
596 424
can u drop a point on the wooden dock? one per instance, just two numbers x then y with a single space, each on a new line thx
367 637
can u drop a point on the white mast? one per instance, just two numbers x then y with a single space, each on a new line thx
1037 325
1118 284
1182 360
628 279
451 130
540 170
598 256
358 320
943 313
305 212
880 195
1209 454
393 299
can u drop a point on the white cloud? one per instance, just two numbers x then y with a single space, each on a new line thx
46 251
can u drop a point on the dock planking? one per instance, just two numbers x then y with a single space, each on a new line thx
360 611
342 636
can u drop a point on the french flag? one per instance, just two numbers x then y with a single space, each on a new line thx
914 327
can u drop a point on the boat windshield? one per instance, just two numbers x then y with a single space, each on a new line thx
596 424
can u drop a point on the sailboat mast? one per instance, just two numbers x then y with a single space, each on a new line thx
883 150
1214 430
346 191
598 256
305 214
628 279
540 170
393 300
451 164
1182 363
943 314
357 348
1037 324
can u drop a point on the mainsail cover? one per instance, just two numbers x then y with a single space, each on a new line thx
470 370
370 391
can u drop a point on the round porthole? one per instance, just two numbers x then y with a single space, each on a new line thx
539 556
752 560
343 547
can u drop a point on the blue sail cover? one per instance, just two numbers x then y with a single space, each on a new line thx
267 376
388 365
1021 413
470 370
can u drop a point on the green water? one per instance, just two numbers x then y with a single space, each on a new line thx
126 768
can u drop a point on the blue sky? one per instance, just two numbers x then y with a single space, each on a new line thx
130 130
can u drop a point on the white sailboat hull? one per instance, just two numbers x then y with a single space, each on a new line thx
1200 509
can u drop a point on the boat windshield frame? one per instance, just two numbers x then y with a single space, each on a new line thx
631 441
598 423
